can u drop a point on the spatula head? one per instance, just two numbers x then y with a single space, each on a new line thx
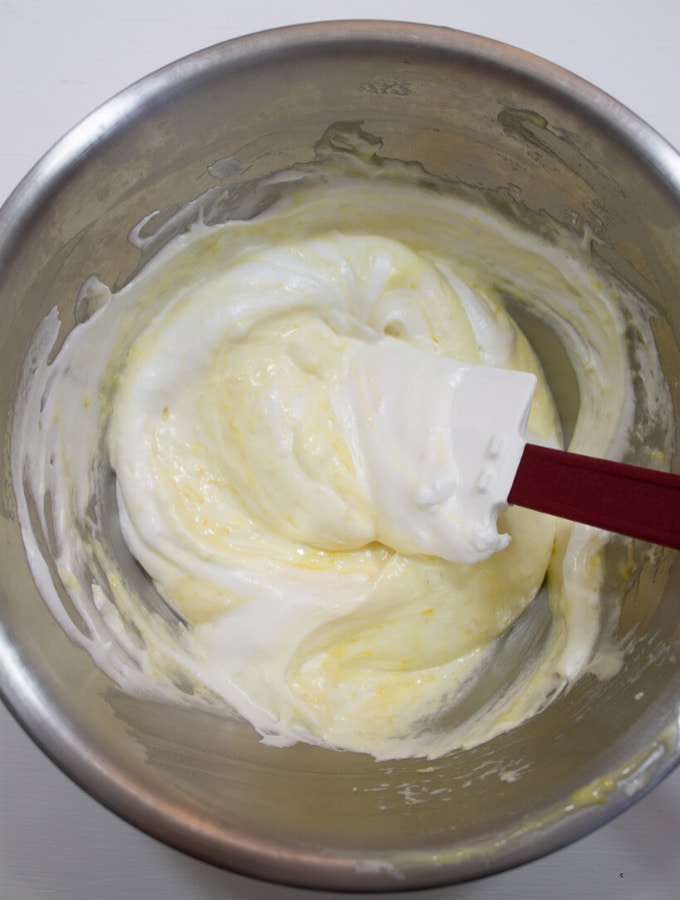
437 443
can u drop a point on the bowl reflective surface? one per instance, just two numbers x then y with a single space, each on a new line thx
465 108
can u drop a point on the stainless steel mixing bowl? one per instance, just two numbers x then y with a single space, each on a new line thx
495 118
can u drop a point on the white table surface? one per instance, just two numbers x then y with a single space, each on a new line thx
61 58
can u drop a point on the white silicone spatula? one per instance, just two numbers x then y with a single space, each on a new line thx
443 449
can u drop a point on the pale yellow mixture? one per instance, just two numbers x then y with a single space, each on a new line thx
310 595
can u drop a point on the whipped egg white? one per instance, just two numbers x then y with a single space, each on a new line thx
242 412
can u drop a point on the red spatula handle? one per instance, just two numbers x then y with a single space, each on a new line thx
630 500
